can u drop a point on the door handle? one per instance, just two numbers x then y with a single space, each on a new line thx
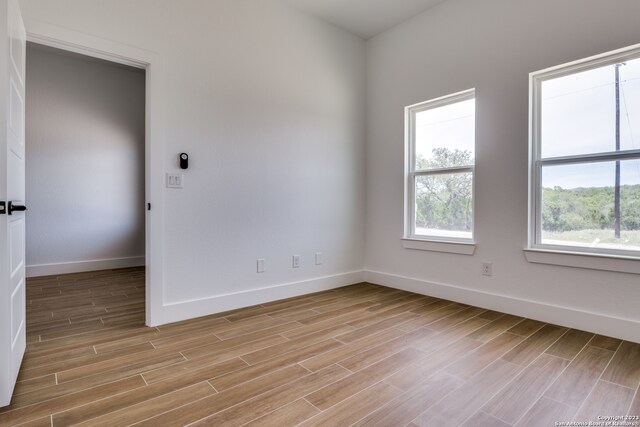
15 208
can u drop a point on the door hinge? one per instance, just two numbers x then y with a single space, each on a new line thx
3 208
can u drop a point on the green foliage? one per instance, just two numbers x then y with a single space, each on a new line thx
445 158
589 208
444 201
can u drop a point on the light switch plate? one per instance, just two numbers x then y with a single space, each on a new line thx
175 180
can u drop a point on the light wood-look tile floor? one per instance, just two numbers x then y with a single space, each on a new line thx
358 355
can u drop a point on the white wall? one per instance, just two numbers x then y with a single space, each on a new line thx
490 45
85 124
269 103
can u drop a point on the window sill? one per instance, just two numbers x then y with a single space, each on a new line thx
615 263
461 248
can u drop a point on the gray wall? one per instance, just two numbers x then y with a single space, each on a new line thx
85 124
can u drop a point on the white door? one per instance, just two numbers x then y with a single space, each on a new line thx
12 197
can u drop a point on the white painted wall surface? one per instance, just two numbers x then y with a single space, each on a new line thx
490 45
85 124
269 104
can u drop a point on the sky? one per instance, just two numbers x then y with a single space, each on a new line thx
451 126
578 117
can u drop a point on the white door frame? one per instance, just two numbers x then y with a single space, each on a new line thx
69 40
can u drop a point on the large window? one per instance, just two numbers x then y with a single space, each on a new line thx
440 165
585 156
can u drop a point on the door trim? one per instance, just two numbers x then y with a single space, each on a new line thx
85 44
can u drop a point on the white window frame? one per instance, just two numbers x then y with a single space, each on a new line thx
536 162
453 244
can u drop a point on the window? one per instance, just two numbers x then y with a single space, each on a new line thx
585 156
440 166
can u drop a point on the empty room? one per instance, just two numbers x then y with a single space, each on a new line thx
320 212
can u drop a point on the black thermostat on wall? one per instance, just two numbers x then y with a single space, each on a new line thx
184 160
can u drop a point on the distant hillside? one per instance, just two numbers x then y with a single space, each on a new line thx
589 208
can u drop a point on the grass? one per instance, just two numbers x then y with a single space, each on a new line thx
629 239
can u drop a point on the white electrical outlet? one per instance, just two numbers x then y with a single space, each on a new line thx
296 261
260 265
318 258
487 268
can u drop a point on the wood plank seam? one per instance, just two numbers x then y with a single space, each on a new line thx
524 413
599 379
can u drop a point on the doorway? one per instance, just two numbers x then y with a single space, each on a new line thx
86 157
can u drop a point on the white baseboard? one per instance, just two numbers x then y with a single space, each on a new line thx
176 312
626 329
82 266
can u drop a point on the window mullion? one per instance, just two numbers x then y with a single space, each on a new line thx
454 170
592 158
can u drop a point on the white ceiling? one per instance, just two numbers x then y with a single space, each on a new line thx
365 18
